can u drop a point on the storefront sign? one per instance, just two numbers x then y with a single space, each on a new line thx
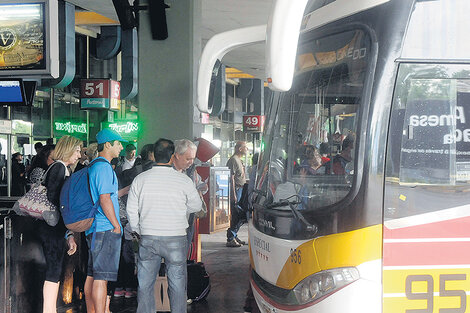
76 129
253 123
70 127
5 127
21 127
129 130
99 94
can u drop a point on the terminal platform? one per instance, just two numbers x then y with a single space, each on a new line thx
229 275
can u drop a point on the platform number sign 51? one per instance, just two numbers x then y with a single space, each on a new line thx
253 123
99 94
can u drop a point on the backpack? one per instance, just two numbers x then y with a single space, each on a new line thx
199 284
76 202
243 203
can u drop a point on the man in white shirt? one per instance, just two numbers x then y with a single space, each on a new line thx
129 159
183 159
157 207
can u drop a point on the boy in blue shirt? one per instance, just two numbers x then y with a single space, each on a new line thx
104 236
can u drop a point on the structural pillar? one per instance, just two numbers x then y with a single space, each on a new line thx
167 74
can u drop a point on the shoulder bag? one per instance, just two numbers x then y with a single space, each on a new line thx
35 203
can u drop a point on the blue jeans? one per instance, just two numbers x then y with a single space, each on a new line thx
151 251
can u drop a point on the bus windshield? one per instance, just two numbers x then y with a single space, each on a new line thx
311 158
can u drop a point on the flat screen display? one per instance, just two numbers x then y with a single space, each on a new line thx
22 37
12 92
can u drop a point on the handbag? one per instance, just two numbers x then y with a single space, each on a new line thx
35 203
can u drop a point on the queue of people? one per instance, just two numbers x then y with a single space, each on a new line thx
150 202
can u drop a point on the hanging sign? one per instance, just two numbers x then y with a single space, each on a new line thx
99 94
253 123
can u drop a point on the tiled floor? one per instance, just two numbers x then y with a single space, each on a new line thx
228 269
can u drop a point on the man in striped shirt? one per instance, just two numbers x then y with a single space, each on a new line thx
157 207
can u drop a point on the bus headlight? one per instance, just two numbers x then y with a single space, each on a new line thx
324 283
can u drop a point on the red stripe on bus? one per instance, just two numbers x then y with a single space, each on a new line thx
455 228
426 253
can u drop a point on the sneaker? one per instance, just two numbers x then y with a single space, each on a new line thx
118 293
130 294
233 244
240 241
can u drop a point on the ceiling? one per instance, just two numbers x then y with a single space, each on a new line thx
217 16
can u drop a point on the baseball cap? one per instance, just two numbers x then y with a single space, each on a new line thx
107 135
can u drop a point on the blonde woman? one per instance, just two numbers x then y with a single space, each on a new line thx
53 238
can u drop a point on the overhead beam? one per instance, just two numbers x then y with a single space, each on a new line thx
92 18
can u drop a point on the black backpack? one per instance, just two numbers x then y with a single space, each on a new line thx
199 284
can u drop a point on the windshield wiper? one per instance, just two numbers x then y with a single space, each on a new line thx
292 205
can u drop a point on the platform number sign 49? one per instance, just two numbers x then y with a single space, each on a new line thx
253 123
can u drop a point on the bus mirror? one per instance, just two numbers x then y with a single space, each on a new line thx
215 49
282 36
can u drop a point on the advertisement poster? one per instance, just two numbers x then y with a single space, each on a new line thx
436 140
22 37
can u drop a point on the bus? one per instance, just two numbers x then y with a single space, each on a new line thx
362 197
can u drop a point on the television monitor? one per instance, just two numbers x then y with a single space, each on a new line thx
29 91
12 91
29 38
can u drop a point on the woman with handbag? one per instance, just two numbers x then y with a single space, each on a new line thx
53 238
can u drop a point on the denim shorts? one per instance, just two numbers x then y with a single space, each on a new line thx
103 259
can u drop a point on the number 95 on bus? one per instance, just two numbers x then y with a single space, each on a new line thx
426 291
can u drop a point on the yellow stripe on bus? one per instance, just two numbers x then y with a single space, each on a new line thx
395 280
294 271
338 250
351 248
404 305
397 299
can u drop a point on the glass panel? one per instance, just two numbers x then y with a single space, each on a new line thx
20 159
221 197
434 135
428 156
3 165
314 136
68 118
445 37
41 114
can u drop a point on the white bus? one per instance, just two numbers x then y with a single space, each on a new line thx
362 200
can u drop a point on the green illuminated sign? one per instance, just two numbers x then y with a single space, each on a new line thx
70 127
128 130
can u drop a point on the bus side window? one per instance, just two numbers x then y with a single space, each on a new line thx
428 150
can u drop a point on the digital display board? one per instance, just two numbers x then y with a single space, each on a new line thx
22 30
29 40
12 92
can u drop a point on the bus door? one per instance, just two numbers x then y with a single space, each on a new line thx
426 248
